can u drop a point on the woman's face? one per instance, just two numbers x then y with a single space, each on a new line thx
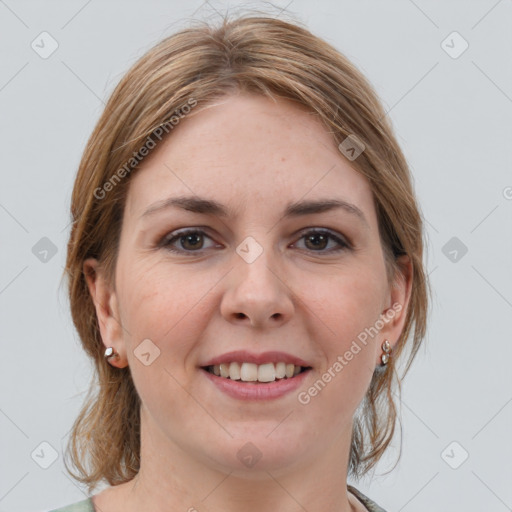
252 283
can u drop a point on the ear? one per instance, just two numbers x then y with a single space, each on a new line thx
107 310
397 304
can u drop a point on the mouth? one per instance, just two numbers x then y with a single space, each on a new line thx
252 373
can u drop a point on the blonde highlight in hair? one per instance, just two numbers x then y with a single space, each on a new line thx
260 55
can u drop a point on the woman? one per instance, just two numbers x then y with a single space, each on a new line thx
245 270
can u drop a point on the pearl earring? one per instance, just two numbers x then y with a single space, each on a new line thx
386 347
110 352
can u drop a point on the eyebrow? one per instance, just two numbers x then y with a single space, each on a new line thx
295 209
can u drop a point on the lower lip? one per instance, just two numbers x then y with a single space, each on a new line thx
257 391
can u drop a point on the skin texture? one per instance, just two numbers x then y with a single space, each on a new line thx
254 155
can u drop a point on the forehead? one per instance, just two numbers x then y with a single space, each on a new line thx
251 153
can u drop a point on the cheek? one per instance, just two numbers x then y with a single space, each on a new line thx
350 313
157 305
167 307
353 302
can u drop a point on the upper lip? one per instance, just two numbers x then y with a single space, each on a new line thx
242 356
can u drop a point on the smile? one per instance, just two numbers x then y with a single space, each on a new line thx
255 373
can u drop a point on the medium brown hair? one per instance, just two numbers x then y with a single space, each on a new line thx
261 55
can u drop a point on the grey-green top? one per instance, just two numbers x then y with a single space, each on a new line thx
367 502
87 506
79 506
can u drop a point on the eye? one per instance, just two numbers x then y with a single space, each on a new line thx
190 240
317 240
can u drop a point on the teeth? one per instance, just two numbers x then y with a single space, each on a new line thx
267 372
250 372
234 371
224 370
280 370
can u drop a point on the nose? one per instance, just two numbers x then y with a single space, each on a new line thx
257 293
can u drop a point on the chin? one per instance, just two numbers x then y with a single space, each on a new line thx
254 456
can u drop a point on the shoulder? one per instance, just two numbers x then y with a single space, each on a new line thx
80 506
367 502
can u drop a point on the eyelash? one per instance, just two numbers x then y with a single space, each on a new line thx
167 242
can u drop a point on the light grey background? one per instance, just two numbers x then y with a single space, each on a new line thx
452 118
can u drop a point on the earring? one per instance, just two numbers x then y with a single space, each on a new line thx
110 352
386 347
